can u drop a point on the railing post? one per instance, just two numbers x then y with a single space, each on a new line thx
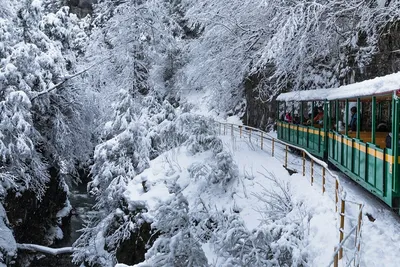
286 156
336 194
358 234
336 259
262 140
240 127
341 227
304 163
323 180
312 171
250 134
224 129
232 129
220 130
273 147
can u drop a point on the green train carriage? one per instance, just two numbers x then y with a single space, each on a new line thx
369 154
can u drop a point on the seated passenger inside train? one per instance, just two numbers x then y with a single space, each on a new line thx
288 117
320 116
353 119
389 140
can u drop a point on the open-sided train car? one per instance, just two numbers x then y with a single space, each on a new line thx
356 129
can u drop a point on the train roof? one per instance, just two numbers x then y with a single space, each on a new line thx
377 86
309 95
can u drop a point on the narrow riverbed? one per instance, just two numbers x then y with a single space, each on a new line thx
82 204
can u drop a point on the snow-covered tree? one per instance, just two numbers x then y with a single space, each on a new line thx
41 120
287 45
176 244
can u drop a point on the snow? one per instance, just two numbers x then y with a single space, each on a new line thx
310 95
241 195
46 250
380 85
380 239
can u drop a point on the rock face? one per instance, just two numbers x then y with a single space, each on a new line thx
259 113
385 61
31 219
81 7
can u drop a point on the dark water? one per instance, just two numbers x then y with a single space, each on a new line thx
82 203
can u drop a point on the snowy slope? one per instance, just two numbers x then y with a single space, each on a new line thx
241 196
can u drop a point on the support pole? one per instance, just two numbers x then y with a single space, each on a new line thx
373 137
395 142
336 194
224 129
358 246
336 259
232 129
358 117
341 229
301 113
312 113
286 156
273 147
240 131
347 118
304 163
337 115
323 180
262 141
312 171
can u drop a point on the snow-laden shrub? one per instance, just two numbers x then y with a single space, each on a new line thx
277 199
202 135
219 169
176 246
276 244
279 240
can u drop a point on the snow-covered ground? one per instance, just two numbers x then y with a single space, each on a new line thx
380 240
242 196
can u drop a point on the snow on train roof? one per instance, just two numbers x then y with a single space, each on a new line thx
311 95
377 86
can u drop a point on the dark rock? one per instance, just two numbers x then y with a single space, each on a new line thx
260 113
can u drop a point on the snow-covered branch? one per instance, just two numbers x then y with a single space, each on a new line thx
44 249
68 77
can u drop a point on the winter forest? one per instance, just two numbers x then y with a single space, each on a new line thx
110 98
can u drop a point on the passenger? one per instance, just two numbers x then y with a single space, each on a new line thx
296 119
288 117
320 116
389 140
353 119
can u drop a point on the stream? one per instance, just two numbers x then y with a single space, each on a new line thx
82 203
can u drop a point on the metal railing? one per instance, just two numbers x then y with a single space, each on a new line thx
349 213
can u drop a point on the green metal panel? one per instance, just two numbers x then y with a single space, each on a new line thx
372 177
356 160
363 160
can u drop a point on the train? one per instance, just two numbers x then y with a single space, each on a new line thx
353 127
